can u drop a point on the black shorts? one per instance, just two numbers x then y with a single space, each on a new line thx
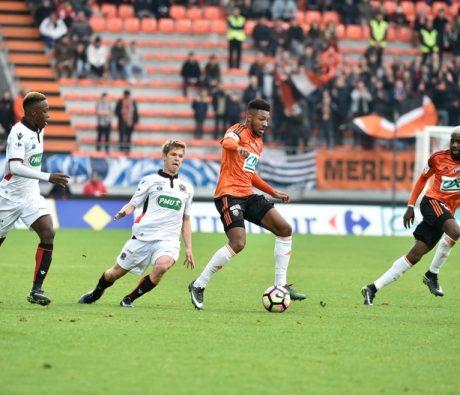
234 210
434 213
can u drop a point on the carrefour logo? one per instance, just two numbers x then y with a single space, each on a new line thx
449 184
250 163
169 202
35 160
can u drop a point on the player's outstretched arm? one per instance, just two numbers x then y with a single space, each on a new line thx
408 218
126 210
60 179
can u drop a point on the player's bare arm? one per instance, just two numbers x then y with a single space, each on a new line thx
60 179
125 210
408 218
187 237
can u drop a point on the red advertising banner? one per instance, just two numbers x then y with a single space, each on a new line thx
371 170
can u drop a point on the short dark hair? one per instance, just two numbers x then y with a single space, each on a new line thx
259 104
32 98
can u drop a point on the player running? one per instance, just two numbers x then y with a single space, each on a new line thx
438 207
235 200
166 202
19 188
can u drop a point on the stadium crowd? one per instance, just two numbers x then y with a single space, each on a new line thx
316 89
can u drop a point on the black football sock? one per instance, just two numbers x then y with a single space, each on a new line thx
144 286
42 264
101 286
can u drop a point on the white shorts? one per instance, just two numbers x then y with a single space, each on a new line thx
137 255
28 211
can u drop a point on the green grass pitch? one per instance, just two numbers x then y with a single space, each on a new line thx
407 343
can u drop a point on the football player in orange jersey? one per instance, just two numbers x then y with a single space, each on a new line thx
438 208
236 201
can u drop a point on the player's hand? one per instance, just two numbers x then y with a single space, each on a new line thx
284 197
408 218
189 261
243 152
119 215
60 179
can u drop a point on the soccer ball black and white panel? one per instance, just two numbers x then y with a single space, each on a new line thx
276 299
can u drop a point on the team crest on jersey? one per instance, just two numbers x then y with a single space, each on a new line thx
123 255
20 136
235 213
182 188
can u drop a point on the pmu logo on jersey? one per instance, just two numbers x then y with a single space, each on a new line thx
450 184
250 163
35 160
169 202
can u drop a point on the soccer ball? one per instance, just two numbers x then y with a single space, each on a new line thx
276 299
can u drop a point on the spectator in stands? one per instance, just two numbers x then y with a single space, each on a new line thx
66 13
325 123
314 37
233 109
260 9
43 11
81 65
309 58
252 91
17 104
52 29
81 27
118 60
190 73
350 12
200 112
295 37
398 17
257 68
439 23
284 9
104 114
98 54
134 65
279 33
262 37
64 57
236 37
6 113
219 100
361 102
212 74
340 95
94 187
428 41
160 8
378 31
126 112
143 8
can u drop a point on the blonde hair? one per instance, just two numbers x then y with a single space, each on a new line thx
172 144
31 98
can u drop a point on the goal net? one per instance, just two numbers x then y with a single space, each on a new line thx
432 139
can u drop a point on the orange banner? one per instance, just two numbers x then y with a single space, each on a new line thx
364 170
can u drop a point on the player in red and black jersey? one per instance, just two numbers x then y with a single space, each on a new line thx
236 202
438 207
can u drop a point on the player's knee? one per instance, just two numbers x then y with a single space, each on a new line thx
237 245
285 230
414 256
454 234
47 236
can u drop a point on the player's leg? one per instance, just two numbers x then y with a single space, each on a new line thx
147 283
232 216
106 280
262 212
445 245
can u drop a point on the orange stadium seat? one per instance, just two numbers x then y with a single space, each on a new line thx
95 10
148 25
194 13
132 25
300 16
389 7
98 23
422 6
330 16
200 26
437 6
177 11
353 32
219 26
114 25
213 12
366 32
183 26
408 9
405 34
312 16
126 11
340 29
249 27
453 10
109 10
392 33
165 25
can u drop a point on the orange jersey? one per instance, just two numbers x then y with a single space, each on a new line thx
236 173
445 180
